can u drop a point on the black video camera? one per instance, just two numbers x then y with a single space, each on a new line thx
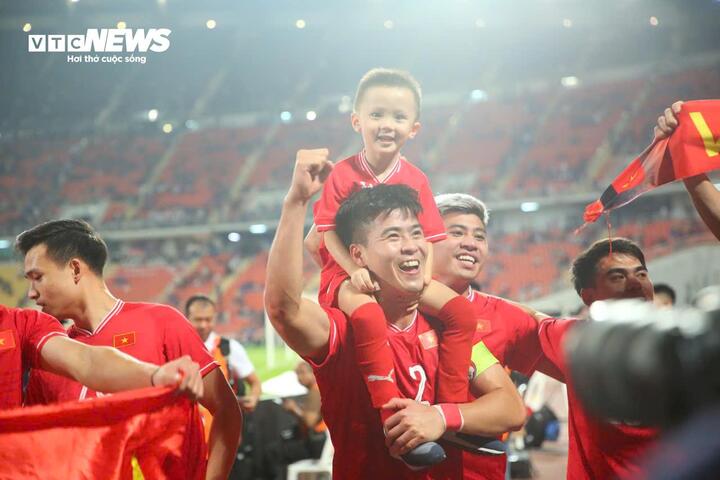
639 364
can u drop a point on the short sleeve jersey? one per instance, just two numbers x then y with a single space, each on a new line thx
23 334
354 173
149 332
597 449
355 426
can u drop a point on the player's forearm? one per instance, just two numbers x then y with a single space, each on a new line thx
494 413
223 441
706 199
339 251
284 283
109 370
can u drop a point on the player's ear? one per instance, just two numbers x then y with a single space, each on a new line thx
355 121
357 253
414 130
77 269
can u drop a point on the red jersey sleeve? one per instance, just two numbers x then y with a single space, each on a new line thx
552 334
39 328
430 218
524 351
338 329
332 196
182 339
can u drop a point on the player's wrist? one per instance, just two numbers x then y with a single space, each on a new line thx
152 376
451 415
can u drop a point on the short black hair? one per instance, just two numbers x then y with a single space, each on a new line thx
388 77
584 266
65 240
361 208
666 289
197 299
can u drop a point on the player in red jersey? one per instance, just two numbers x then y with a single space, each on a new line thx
385 235
601 449
64 263
31 339
508 330
386 114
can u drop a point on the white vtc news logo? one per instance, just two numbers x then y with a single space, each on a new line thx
100 40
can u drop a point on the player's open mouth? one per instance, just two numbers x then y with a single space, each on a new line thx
410 266
385 138
464 258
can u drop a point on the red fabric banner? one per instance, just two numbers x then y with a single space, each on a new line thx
98 438
693 148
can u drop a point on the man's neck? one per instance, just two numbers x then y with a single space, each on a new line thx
95 307
399 310
459 286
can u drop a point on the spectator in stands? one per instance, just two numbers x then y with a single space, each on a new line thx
704 194
664 295
232 357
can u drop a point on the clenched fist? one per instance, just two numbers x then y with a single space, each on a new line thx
312 168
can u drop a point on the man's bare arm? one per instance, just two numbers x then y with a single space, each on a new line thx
226 427
107 369
303 324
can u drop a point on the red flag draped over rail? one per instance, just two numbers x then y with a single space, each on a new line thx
97 438
692 149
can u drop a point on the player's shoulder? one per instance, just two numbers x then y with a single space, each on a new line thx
157 311
409 168
345 166
20 318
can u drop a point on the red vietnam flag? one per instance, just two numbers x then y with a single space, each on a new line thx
98 438
124 339
7 340
692 149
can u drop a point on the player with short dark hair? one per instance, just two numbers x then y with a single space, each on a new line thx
321 335
386 113
608 269
64 261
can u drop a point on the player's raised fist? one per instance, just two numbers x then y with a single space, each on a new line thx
312 168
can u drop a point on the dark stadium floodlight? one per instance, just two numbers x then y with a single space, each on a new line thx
480 23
